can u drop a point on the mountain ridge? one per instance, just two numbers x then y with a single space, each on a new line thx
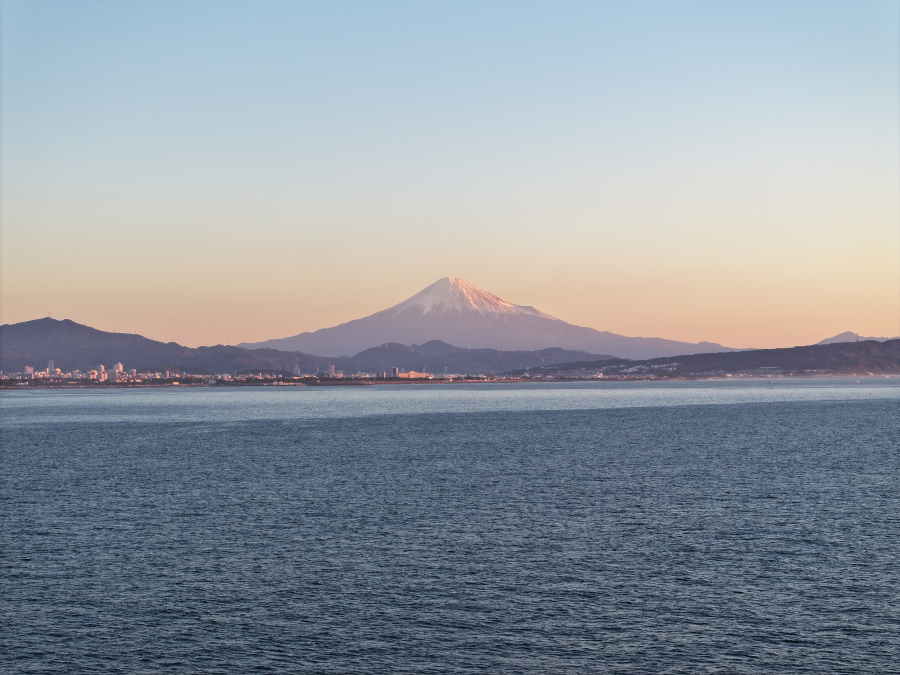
869 357
850 336
74 346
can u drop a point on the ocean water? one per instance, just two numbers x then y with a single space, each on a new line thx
705 527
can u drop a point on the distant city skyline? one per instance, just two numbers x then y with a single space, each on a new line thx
236 172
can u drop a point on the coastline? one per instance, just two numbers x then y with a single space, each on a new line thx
30 385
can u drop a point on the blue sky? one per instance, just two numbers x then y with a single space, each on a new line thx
227 171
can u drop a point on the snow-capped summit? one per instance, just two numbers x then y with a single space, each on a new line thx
457 295
463 315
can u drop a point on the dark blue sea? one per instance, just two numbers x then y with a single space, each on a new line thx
707 527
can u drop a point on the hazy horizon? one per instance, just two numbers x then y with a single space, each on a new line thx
232 172
409 337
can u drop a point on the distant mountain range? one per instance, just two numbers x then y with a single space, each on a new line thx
75 346
870 357
456 312
853 337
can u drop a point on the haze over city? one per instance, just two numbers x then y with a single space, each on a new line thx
233 172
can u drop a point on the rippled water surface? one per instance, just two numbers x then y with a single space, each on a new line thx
709 527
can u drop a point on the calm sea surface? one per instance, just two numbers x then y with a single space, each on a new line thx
708 527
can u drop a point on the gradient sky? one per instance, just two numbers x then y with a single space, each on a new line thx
217 172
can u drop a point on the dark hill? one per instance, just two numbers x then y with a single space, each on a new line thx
73 346
847 358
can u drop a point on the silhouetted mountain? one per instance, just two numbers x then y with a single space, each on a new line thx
74 346
852 337
857 358
455 311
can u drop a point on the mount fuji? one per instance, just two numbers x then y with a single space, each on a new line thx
463 315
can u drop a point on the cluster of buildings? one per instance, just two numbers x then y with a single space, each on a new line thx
393 373
115 373
399 373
